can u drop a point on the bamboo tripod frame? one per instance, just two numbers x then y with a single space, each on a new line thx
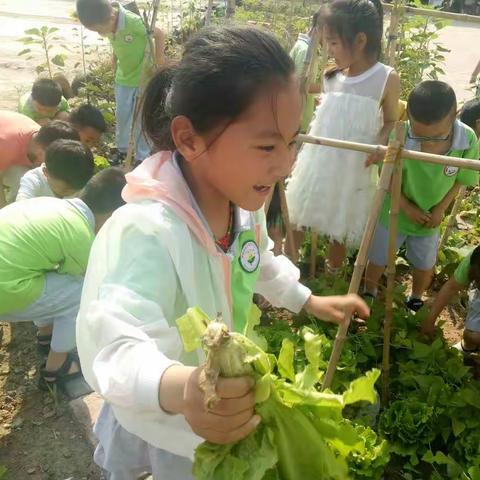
393 150
149 51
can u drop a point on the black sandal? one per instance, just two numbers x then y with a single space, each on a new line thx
43 343
49 380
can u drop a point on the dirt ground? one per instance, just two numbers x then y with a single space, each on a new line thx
39 437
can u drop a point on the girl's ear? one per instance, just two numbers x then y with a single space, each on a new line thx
187 141
360 42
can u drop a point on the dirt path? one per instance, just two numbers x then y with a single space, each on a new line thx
39 437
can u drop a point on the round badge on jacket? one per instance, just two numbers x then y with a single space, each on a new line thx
450 171
128 38
249 256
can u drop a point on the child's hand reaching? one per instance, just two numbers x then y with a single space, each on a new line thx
231 419
334 309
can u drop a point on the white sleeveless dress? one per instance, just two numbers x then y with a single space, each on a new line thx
331 190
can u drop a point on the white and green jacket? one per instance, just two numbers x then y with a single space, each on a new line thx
151 261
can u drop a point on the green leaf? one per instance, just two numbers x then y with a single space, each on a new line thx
40 68
191 327
33 31
249 330
53 30
24 51
362 389
28 40
59 60
457 426
285 360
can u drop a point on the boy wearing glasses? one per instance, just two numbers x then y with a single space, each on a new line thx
427 189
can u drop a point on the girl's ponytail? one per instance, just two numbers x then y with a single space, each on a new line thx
156 109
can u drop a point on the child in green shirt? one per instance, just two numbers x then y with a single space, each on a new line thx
44 249
128 37
466 275
45 102
427 188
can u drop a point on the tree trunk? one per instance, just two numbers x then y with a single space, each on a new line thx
230 8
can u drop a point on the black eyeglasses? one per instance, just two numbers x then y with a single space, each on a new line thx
444 138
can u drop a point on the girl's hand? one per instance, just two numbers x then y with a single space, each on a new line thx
231 419
335 309
374 158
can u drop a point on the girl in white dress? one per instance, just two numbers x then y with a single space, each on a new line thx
331 190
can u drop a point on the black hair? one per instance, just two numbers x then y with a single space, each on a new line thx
221 72
94 12
470 113
431 101
474 271
348 18
46 92
69 161
88 116
56 130
103 192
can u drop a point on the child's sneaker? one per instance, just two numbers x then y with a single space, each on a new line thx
414 304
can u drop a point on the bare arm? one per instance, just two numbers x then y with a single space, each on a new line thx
444 297
390 107
390 114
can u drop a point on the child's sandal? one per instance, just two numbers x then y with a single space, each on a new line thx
43 343
49 380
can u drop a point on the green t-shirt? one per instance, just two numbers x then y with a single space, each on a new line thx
129 43
37 236
298 55
426 184
463 270
25 106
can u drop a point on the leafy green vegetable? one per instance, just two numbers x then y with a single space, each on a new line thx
303 433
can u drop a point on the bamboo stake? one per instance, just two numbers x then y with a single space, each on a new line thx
149 51
313 253
393 33
452 219
424 12
313 234
286 222
361 260
406 154
396 191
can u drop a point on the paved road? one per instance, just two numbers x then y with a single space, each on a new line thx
17 74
